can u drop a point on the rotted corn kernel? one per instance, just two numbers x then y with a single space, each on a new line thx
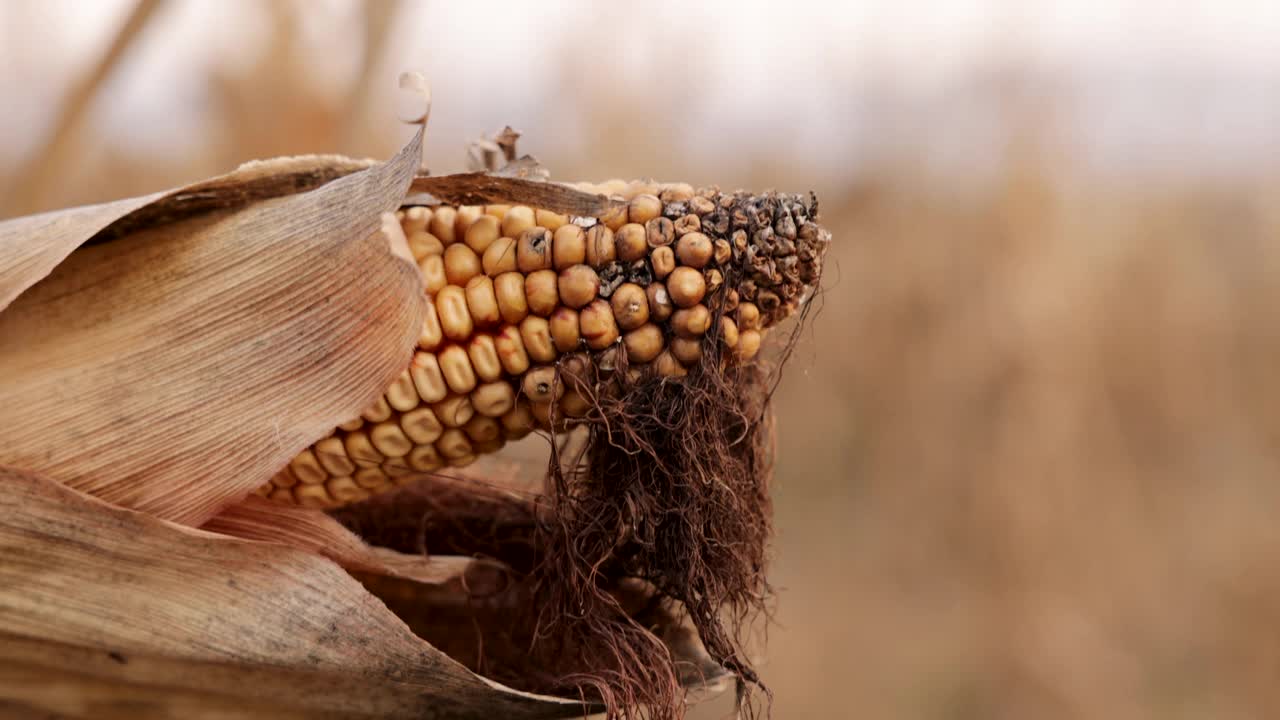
663 260
564 329
568 247
540 385
597 325
644 343
687 224
577 285
686 287
602 248
512 303
630 306
455 317
659 232
533 250
660 306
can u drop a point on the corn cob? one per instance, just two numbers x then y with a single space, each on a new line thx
517 292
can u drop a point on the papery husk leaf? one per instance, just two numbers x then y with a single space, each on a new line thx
121 609
176 368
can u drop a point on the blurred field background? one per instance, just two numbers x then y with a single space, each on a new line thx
1028 448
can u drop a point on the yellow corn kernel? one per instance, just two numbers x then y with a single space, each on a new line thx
427 378
568 247
512 303
500 258
455 365
402 395
483 353
511 352
535 333
461 263
482 301
455 317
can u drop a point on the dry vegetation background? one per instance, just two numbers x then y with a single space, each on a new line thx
1028 447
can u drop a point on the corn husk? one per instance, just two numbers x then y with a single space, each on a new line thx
161 357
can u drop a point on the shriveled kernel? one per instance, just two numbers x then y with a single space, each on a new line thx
729 332
517 220
630 243
541 293
644 343
663 261
694 249
427 378
550 220
511 352
372 478
432 269
643 208
414 219
483 353
691 322
574 405
500 257
601 247
482 429
687 350
615 217
457 370
465 218
748 316
687 224
660 307
659 232
423 243
306 468
390 440
748 344
518 421
352 424
731 300
577 285
361 451
533 250
313 496
667 365
714 280
455 318
676 192
461 263
345 490
701 205
333 457
493 399
630 306
378 411
597 325
482 302
454 411
424 458
535 333
540 385
686 286
483 233
564 329
512 303
402 395
568 246
442 224
453 444
421 425
723 252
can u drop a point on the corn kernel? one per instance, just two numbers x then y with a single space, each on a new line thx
511 352
535 332
415 219
461 264
691 322
390 440
454 411
663 261
694 249
361 451
540 385
427 378
482 303
312 496
517 220
401 395
686 287
659 232
729 332
577 285
687 350
442 224
533 250
424 458
493 399
615 217
432 334
643 208
453 444
748 344
669 366
371 478
451 305
333 456
630 306
483 353
457 370
660 307
568 247
630 243
518 421
574 405
423 243
483 233
378 411
601 247
748 316
421 425
432 270
500 257
644 343
541 293
464 219
306 468
597 325
550 220
512 303
482 429
345 490
564 329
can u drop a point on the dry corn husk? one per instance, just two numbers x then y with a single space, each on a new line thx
161 357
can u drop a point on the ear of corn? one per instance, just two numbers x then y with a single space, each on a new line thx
513 290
